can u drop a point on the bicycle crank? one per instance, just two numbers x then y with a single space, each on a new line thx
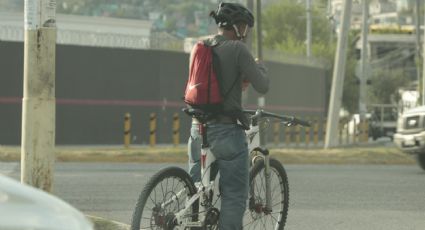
211 219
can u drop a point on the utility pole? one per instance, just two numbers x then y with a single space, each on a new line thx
38 107
329 7
259 32
331 139
331 20
423 64
262 99
364 61
245 93
308 32
418 50
250 6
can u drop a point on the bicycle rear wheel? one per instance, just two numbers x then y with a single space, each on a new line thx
164 195
257 216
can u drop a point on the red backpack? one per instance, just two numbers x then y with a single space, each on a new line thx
203 89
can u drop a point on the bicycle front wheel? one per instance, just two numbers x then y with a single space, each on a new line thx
163 196
257 216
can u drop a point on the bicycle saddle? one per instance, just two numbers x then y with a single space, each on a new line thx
199 114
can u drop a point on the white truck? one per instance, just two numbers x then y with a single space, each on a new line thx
410 136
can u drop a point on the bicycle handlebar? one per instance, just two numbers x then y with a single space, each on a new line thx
290 119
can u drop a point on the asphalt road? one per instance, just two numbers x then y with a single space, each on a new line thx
321 196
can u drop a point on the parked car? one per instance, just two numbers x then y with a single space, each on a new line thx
379 126
383 122
410 136
23 207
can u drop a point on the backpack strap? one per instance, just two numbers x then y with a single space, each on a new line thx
217 69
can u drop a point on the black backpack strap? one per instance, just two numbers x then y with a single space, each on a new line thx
217 70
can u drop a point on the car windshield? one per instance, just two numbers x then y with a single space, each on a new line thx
387 114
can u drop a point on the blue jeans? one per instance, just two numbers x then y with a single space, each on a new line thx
229 146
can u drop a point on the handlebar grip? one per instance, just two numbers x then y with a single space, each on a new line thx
302 122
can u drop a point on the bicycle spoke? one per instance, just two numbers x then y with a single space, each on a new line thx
280 203
262 178
162 188
173 189
249 222
274 218
263 223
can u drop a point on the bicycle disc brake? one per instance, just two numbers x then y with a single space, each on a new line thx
211 218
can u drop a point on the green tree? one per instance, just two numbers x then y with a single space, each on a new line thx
286 22
350 97
285 31
385 85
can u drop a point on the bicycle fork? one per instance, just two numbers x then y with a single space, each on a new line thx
267 174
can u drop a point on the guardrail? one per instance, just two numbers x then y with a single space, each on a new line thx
279 136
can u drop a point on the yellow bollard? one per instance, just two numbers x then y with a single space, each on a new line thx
276 133
366 131
152 129
360 137
127 129
355 133
176 129
307 131
324 130
297 135
363 131
347 133
316 132
287 135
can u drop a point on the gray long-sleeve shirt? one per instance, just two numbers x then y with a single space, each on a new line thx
237 64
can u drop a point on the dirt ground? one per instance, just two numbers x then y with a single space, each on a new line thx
349 155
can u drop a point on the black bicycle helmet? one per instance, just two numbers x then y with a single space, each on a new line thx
229 14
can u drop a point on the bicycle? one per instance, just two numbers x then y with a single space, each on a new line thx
170 199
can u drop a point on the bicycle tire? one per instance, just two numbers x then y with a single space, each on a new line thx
156 217
256 217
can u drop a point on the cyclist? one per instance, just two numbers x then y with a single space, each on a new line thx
225 136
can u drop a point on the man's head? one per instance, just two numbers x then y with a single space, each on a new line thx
233 17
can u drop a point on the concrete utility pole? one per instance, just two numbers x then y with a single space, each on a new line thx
308 32
38 107
331 139
245 93
250 6
423 62
262 99
331 20
259 32
364 61
418 49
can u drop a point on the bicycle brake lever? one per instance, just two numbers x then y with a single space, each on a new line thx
288 123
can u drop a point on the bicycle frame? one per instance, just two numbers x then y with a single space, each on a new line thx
204 187
256 142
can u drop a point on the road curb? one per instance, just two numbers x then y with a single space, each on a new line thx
104 224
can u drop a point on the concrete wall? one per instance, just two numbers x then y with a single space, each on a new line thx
95 87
